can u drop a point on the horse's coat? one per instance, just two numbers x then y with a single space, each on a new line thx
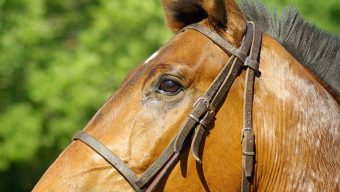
296 120
315 49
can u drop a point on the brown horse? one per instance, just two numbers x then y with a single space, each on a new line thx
296 113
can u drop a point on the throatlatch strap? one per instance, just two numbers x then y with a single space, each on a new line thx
248 137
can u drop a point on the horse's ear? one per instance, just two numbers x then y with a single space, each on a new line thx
180 13
224 15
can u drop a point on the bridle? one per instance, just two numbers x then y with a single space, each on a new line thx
203 113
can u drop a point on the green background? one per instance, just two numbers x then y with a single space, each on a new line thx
61 59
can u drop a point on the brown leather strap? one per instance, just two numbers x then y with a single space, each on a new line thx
248 138
217 39
156 166
110 157
222 93
161 173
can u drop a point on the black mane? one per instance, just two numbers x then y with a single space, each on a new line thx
317 50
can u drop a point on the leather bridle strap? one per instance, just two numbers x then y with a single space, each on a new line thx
201 116
247 135
110 157
216 98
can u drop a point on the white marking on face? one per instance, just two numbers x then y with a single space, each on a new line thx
152 57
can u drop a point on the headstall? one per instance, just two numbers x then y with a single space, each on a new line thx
203 113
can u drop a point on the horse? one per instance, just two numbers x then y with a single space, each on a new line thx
294 110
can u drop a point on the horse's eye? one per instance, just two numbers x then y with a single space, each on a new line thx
170 87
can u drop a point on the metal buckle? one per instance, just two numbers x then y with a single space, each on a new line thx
250 139
200 108
243 130
201 99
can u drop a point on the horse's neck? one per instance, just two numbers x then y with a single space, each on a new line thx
296 126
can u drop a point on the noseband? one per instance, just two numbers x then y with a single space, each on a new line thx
204 110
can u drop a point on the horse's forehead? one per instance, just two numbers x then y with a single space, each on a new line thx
187 56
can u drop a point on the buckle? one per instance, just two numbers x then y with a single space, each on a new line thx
200 107
244 130
201 99
248 141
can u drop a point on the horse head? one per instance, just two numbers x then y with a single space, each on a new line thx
296 121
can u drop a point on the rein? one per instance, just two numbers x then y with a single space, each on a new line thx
203 113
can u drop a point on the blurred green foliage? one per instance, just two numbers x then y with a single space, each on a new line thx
325 14
60 60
